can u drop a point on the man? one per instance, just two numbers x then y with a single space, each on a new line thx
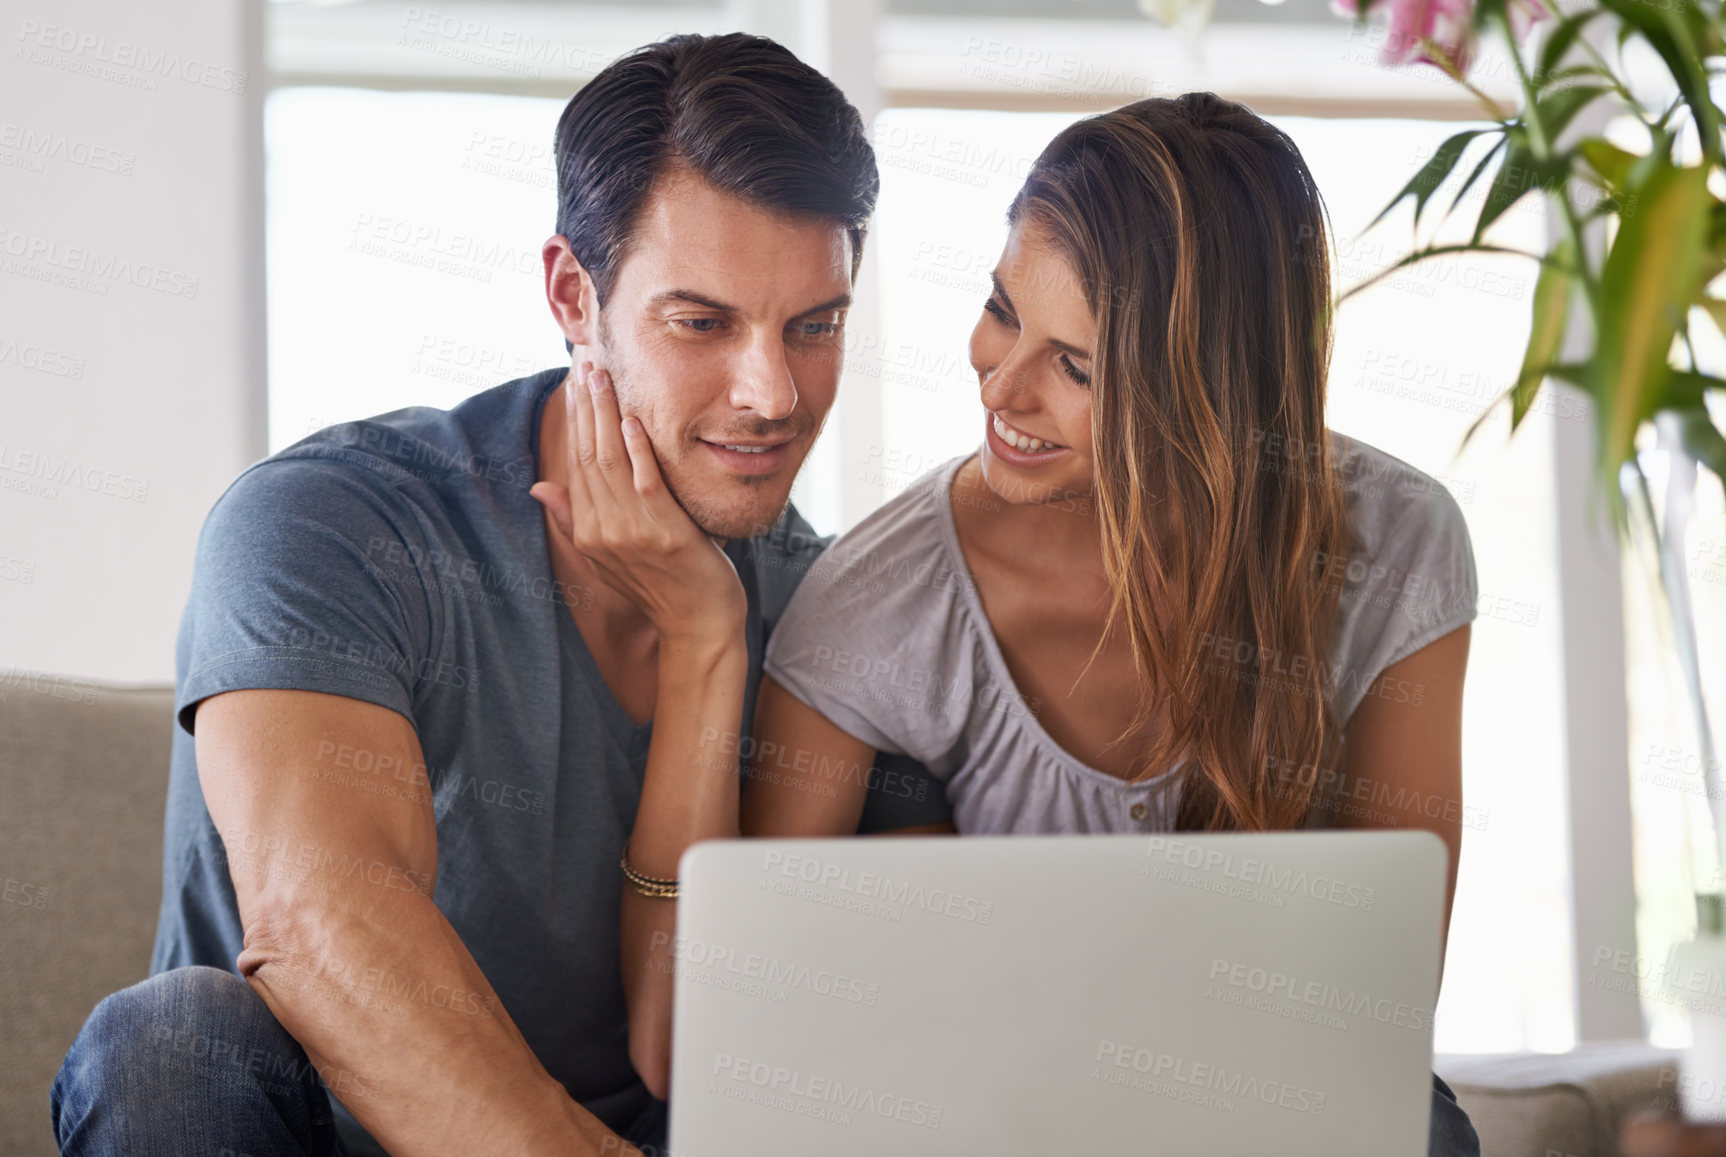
415 717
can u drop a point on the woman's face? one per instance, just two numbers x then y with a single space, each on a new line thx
1032 350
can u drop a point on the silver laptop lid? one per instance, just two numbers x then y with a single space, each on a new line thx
1178 994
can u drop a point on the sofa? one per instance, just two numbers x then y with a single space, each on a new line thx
84 773
84 770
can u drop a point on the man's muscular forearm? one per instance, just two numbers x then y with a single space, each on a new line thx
344 942
403 1028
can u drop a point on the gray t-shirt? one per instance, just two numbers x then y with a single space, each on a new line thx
888 639
401 561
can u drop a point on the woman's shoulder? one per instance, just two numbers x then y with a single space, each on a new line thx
873 638
1394 506
1408 576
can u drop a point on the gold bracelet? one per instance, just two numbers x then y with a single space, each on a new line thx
650 886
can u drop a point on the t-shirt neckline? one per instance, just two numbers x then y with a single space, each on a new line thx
981 626
632 736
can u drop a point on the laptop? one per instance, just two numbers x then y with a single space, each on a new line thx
1176 994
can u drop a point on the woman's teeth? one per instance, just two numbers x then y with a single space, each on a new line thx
1020 441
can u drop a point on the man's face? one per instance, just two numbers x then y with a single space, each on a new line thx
723 334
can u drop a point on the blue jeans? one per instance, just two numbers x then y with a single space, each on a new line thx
191 1061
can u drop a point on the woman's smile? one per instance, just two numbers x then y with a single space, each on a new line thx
1020 440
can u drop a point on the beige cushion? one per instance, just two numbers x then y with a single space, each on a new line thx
1559 1104
84 776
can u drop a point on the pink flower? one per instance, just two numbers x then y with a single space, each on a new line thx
1525 14
1447 25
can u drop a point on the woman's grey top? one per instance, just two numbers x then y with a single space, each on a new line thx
888 639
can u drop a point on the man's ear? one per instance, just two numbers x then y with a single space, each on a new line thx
570 292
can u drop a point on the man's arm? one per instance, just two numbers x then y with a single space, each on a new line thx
335 895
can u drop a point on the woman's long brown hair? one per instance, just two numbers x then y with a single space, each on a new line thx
1200 239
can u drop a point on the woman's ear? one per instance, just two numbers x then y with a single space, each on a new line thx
570 292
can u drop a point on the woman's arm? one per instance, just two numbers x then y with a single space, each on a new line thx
1402 752
688 793
616 510
812 777
809 777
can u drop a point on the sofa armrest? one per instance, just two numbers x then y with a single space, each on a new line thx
1560 1104
84 768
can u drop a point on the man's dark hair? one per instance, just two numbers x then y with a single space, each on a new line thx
740 111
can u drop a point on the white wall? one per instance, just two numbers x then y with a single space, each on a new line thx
131 317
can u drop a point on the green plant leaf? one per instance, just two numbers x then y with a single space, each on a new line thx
1551 310
1431 175
1647 285
1712 36
1569 72
1607 159
1716 309
1516 176
1576 373
1688 388
1486 10
1480 419
1701 438
1678 32
1558 42
1430 251
1560 106
1521 172
1475 175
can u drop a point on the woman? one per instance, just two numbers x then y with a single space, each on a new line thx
1161 595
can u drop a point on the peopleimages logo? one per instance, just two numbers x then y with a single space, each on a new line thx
1318 995
829 1091
874 886
90 269
87 51
1257 873
720 958
762 756
1256 664
39 145
1204 1078
71 473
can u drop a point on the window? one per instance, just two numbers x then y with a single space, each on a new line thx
403 234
